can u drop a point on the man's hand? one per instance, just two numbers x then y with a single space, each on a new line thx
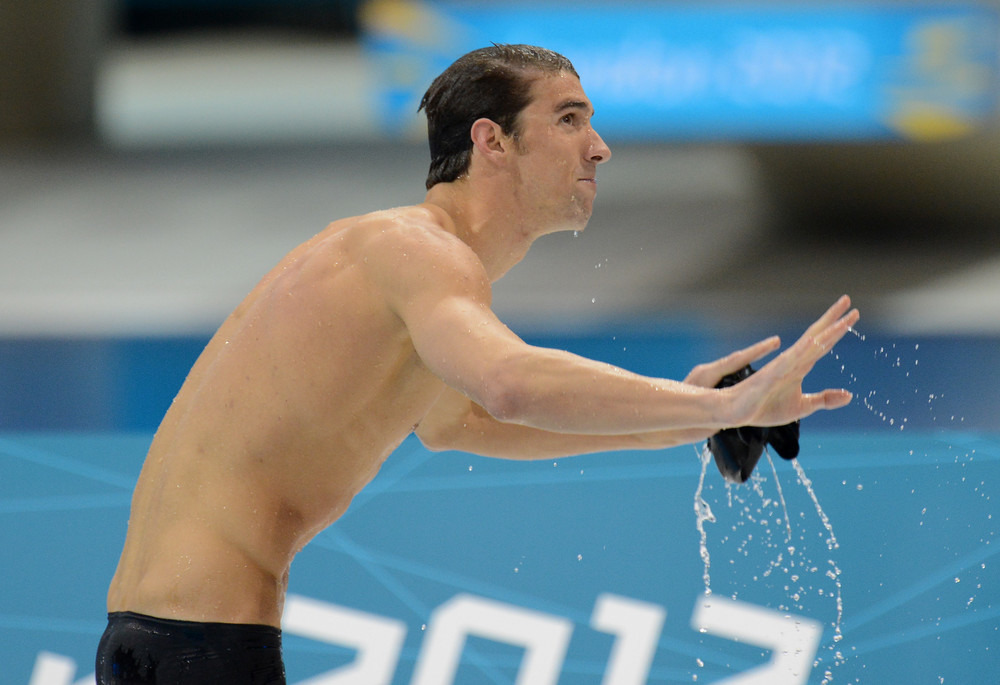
737 450
773 396
709 374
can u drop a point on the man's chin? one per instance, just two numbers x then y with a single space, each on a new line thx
574 227
575 222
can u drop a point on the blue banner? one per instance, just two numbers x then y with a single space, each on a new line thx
875 562
658 71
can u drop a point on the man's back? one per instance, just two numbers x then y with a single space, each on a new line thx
289 412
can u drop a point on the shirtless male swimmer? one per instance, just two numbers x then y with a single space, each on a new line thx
380 326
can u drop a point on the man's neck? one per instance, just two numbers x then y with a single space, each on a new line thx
495 231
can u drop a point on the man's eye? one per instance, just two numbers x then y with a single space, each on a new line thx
568 118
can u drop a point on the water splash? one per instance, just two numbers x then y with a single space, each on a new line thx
702 513
781 498
831 541
775 547
833 572
763 524
891 409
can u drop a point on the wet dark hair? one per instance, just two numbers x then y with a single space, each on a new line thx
493 83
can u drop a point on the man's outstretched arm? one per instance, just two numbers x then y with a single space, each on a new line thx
457 423
440 291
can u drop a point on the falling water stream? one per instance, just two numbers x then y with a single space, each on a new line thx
757 511
767 547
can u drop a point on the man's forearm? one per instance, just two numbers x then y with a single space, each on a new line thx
561 392
456 423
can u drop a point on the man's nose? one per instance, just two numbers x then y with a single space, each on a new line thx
599 151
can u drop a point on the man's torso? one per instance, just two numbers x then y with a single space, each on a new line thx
291 409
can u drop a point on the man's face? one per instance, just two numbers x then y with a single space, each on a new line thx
557 154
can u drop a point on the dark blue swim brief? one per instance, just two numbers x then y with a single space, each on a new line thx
137 649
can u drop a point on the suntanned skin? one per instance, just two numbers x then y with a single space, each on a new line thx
381 325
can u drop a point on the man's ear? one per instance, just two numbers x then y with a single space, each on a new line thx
488 138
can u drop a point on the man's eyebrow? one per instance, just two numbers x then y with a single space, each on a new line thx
573 104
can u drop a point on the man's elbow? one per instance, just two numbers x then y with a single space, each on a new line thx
506 398
441 431
435 436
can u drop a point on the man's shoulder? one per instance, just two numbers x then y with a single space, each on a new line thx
413 230
415 259
424 220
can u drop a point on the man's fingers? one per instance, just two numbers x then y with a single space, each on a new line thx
829 399
835 399
710 373
817 342
737 360
833 334
791 367
836 310
830 316
819 338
